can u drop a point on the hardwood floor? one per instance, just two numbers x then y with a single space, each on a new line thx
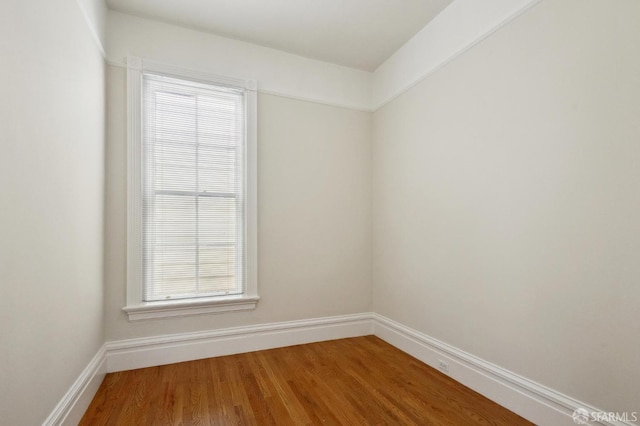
358 381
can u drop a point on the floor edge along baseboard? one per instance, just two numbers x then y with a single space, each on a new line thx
533 401
75 402
148 352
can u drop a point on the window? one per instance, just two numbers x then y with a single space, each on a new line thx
191 235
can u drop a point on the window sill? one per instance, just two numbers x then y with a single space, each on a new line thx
180 308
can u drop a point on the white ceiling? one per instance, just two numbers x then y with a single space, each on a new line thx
356 33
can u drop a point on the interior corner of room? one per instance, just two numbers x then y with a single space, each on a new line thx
472 200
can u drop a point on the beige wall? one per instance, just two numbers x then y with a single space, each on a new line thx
507 201
277 72
51 205
314 217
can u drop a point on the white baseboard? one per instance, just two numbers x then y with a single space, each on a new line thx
75 402
151 351
539 404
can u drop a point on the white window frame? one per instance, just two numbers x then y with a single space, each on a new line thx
136 308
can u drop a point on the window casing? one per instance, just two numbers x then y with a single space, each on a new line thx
191 225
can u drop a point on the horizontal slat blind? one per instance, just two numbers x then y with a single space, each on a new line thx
193 200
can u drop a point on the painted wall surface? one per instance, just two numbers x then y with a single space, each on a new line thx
457 28
314 216
506 198
277 72
52 202
95 13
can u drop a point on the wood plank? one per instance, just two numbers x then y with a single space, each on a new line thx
358 381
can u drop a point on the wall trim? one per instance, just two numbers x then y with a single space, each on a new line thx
281 94
457 29
410 65
277 71
167 349
75 402
354 107
531 400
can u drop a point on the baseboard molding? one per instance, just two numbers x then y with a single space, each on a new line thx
147 352
534 402
75 402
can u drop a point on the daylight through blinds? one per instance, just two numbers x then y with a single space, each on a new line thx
193 189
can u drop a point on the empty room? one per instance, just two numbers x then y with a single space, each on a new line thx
305 212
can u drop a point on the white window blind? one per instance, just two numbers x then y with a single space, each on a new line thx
193 152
